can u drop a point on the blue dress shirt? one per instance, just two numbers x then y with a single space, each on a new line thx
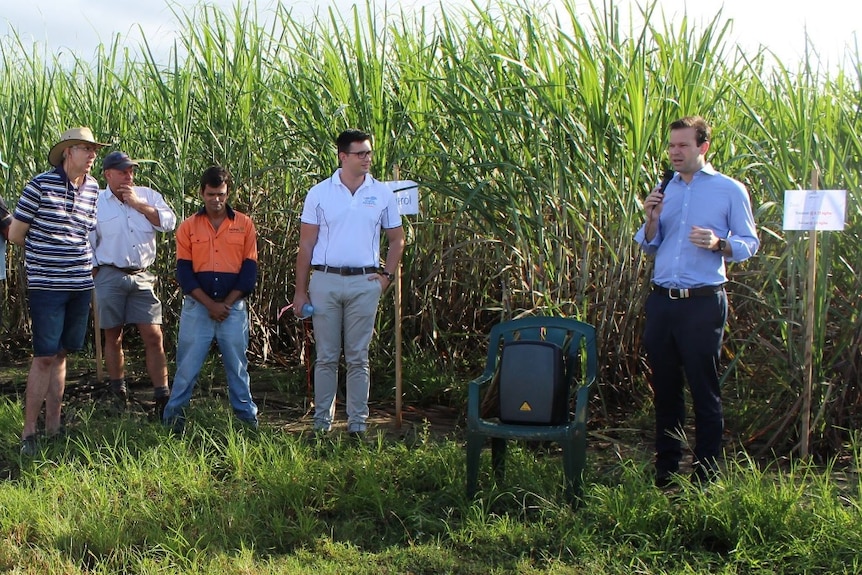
712 200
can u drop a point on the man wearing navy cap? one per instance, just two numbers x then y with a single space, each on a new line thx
124 246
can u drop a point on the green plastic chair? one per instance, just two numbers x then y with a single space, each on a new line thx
578 340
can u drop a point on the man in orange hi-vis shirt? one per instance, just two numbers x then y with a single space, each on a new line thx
216 269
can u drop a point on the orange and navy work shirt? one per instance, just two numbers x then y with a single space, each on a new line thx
217 261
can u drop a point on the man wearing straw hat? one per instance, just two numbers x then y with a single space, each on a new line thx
52 221
124 243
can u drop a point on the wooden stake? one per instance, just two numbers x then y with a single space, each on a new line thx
810 319
98 336
396 174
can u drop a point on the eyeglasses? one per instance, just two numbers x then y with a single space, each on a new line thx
86 149
362 154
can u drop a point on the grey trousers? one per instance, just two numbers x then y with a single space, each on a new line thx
345 309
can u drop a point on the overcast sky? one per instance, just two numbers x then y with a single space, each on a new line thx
79 26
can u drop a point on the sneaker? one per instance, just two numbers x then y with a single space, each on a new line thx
29 446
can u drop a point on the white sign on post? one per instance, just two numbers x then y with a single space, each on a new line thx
814 209
407 193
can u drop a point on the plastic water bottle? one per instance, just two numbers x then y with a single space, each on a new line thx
307 310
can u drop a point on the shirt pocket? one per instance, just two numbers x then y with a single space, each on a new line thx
139 224
201 252
235 239
111 227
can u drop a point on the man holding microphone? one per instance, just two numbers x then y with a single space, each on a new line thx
697 222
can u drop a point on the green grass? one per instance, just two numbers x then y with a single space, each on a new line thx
534 136
124 495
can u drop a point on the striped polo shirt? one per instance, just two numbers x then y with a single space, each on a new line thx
57 252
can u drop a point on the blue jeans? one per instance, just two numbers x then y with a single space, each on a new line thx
197 332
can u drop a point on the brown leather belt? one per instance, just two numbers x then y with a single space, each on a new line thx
127 271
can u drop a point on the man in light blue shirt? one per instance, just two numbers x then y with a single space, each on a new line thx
697 222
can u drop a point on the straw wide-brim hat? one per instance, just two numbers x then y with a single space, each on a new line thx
71 137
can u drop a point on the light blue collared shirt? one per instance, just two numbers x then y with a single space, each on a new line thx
712 200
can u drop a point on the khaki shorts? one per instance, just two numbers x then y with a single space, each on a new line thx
124 298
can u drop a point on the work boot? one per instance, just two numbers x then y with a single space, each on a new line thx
161 395
118 390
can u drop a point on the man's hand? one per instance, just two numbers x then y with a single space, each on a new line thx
219 310
653 204
129 197
703 238
384 281
300 298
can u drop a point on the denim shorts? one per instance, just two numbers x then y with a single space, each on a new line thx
59 320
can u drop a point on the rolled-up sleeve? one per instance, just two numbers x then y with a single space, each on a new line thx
743 231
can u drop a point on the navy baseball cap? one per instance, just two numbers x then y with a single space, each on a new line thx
118 161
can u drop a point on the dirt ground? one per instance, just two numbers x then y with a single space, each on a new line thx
291 413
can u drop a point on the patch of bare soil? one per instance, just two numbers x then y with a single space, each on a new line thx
609 445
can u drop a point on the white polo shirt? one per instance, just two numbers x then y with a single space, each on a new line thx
349 224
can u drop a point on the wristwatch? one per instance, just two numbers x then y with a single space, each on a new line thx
722 243
387 275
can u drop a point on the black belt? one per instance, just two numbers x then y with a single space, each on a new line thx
684 293
345 271
127 271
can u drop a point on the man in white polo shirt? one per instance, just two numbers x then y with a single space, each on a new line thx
340 239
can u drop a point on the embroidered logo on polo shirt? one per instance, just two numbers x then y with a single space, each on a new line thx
370 201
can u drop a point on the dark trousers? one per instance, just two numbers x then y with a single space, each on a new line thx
683 343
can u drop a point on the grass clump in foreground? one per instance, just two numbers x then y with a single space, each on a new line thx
122 495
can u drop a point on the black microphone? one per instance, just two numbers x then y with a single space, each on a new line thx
665 180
